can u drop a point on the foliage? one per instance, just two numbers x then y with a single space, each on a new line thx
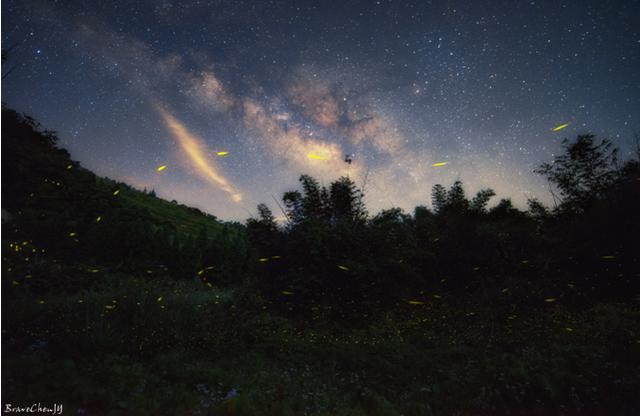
584 172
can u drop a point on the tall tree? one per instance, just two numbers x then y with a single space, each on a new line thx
347 201
583 172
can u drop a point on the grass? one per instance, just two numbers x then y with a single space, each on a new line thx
141 345
186 220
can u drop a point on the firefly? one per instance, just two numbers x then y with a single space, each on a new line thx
316 157
116 192
222 153
436 165
341 267
560 127
285 292
161 168
415 302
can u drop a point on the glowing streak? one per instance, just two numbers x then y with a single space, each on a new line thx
194 148
342 267
222 153
560 127
161 168
316 157
436 165
284 292
415 302
550 300
263 259
116 192
608 257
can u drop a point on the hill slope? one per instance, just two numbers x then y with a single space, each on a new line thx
65 209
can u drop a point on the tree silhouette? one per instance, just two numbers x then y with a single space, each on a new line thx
583 173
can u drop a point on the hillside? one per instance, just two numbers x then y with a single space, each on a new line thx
57 205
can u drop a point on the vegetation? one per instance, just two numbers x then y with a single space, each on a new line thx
118 302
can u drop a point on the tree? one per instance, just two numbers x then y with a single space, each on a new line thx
456 199
294 207
315 199
263 231
583 173
480 201
346 202
438 197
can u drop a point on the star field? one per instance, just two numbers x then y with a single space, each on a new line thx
288 88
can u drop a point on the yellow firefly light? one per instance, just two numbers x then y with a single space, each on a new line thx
560 127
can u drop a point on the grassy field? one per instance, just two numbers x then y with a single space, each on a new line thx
143 345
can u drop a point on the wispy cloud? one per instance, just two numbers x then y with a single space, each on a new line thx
194 149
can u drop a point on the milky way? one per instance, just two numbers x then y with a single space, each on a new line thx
240 98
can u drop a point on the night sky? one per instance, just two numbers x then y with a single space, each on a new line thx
288 88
